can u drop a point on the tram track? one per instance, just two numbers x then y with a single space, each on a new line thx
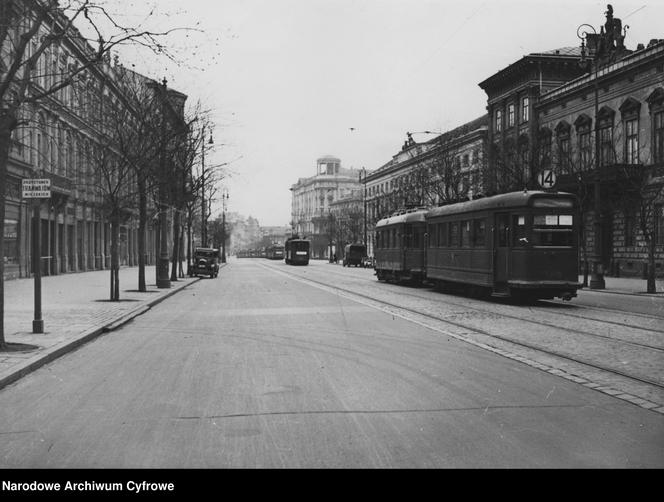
469 328
406 291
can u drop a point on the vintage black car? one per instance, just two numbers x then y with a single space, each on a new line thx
206 262
354 255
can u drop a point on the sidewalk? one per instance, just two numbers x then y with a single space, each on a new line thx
75 309
627 286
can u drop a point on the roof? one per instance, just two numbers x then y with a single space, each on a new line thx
503 201
412 217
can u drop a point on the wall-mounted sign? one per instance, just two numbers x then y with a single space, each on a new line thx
36 188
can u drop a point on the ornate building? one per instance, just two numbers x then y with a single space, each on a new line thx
312 198
63 137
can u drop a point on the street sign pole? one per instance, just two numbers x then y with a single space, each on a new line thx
37 189
38 322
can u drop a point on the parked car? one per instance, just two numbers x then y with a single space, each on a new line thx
206 262
354 255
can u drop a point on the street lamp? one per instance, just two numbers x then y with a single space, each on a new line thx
597 260
363 180
224 198
203 174
163 280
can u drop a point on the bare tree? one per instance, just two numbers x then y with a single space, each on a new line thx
30 33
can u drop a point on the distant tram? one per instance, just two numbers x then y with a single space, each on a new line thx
520 244
275 252
296 251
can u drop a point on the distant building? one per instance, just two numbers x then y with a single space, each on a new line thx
312 199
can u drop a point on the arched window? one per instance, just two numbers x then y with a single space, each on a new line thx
69 155
545 136
563 145
583 125
629 112
606 147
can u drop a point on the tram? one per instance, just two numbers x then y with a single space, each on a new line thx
275 252
296 251
521 244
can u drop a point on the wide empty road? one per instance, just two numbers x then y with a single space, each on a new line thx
258 369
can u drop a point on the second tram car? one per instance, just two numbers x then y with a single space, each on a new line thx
275 252
296 251
399 250
520 244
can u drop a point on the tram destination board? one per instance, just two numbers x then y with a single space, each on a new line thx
36 188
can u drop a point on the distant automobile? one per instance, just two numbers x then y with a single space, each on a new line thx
354 255
206 262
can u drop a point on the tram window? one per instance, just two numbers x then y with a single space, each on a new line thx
433 235
442 234
454 234
553 230
503 229
408 236
479 233
520 233
465 234
416 239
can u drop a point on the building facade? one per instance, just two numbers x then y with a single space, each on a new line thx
601 133
62 137
450 167
312 199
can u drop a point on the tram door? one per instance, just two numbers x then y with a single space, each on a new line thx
502 251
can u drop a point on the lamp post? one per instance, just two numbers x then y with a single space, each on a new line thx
163 280
597 259
203 175
363 180
224 198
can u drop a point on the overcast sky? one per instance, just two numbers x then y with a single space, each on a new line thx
286 80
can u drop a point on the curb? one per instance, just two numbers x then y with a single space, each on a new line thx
659 294
38 360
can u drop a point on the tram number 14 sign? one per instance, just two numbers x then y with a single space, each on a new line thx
546 178
36 188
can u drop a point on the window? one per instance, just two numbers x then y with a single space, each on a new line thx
465 234
631 141
510 115
454 234
553 230
563 153
658 137
562 139
606 145
442 234
525 109
479 233
585 150
499 120
520 233
545 147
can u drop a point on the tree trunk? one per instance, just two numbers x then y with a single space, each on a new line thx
189 222
651 284
142 224
115 259
176 245
181 252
